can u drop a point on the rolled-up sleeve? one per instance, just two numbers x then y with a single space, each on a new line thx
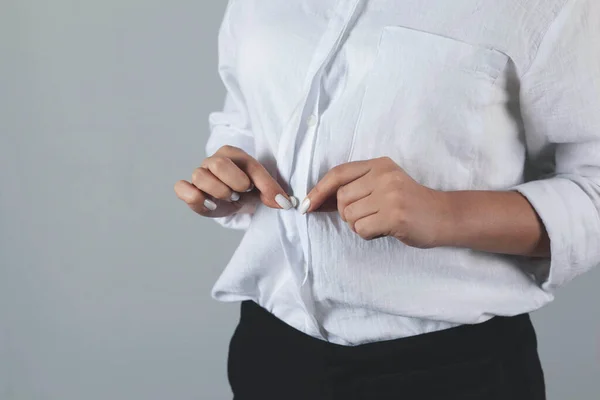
231 125
560 106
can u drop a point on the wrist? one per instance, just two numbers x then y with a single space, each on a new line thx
448 224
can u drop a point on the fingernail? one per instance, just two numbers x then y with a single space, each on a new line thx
304 206
211 205
283 202
294 201
235 196
250 188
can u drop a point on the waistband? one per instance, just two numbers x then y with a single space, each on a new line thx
495 336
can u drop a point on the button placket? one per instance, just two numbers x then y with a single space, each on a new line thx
293 225
325 51
311 124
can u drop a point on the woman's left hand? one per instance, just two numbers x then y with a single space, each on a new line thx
377 198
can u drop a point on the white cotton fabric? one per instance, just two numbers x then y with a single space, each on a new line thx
463 94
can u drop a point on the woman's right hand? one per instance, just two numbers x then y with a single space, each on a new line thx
229 180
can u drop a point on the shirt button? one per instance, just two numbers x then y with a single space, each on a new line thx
312 120
294 201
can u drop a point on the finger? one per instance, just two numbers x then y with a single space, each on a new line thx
204 180
331 182
328 205
271 193
360 209
225 170
371 226
360 188
194 198
353 191
201 203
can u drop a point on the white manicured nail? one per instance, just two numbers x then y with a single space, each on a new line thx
304 206
283 202
211 205
250 188
235 196
294 201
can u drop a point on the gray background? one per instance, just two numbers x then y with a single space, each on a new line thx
104 274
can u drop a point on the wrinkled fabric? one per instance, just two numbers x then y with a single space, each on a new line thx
463 95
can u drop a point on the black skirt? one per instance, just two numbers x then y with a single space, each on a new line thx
494 360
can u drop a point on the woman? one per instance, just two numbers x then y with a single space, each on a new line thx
414 178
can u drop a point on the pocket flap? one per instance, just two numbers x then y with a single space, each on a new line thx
442 50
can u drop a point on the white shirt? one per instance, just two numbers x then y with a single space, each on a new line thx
463 94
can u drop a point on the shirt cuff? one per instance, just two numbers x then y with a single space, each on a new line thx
222 135
573 225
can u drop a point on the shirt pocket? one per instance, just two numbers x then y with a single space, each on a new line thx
424 105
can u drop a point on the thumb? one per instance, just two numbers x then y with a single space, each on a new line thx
324 192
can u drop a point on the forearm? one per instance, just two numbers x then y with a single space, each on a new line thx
492 221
